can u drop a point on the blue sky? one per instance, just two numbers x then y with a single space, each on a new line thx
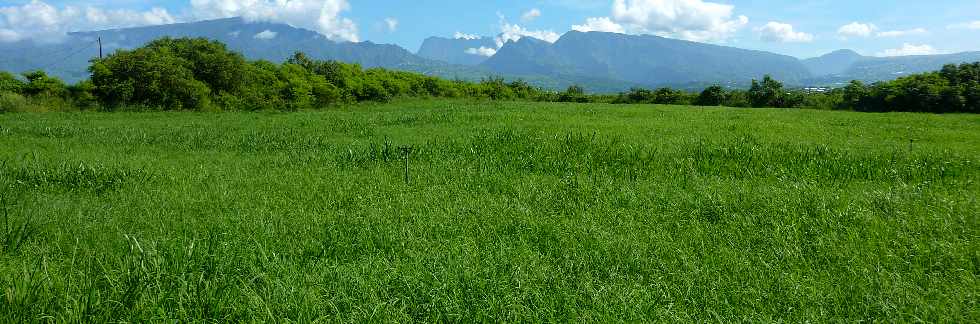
798 28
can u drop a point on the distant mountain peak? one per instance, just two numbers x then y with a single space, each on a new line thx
843 53
833 63
456 50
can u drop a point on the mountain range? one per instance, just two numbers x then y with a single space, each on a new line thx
846 65
463 50
642 59
601 62
69 58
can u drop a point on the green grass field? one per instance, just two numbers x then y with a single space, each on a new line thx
513 212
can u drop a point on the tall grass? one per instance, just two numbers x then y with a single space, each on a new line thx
513 212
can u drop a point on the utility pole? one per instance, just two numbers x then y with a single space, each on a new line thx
100 47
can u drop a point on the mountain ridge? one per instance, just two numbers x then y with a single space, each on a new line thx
454 50
645 59
602 62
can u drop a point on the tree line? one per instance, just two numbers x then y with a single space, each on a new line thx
201 75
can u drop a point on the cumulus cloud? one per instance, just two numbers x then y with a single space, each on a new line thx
323 16
903 33
40 21
863 30
514 32
856 29
530 15
460 35
508 33
974 25
482 51
694 20
391 24
266 35
600 24
782 33
7 36
909 49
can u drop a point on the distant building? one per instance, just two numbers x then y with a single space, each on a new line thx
816 89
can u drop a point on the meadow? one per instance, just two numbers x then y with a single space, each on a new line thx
478 211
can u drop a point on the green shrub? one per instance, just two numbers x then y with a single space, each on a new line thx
496 88
10 83
40 84
574 93
767 93
711 96
12 102
148 78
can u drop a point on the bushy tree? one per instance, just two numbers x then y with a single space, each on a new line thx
952 89
766 93
638 95
523 90
496 88
40 84
668 96
574 93
11 102
10 83
855 95
82 95
148 77
711 96
737 98
971 96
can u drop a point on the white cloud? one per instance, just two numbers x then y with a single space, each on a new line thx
694 20
508 33
43 22
530 15
975 25
782 33
7 36
903 33
482 51
391 24
323 16
856 29
266 35
513 33
459 35
600 24
909 49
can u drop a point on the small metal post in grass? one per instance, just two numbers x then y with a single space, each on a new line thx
406 152
910 140
6 218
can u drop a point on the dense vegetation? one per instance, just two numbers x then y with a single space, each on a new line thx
956 88
200 75
513 212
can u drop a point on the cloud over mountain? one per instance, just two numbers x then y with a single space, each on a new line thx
909 49
531 15
695 20
42 22
600 24
323 16
782 33
856 29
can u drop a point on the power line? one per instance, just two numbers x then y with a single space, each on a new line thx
24 59
59 61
